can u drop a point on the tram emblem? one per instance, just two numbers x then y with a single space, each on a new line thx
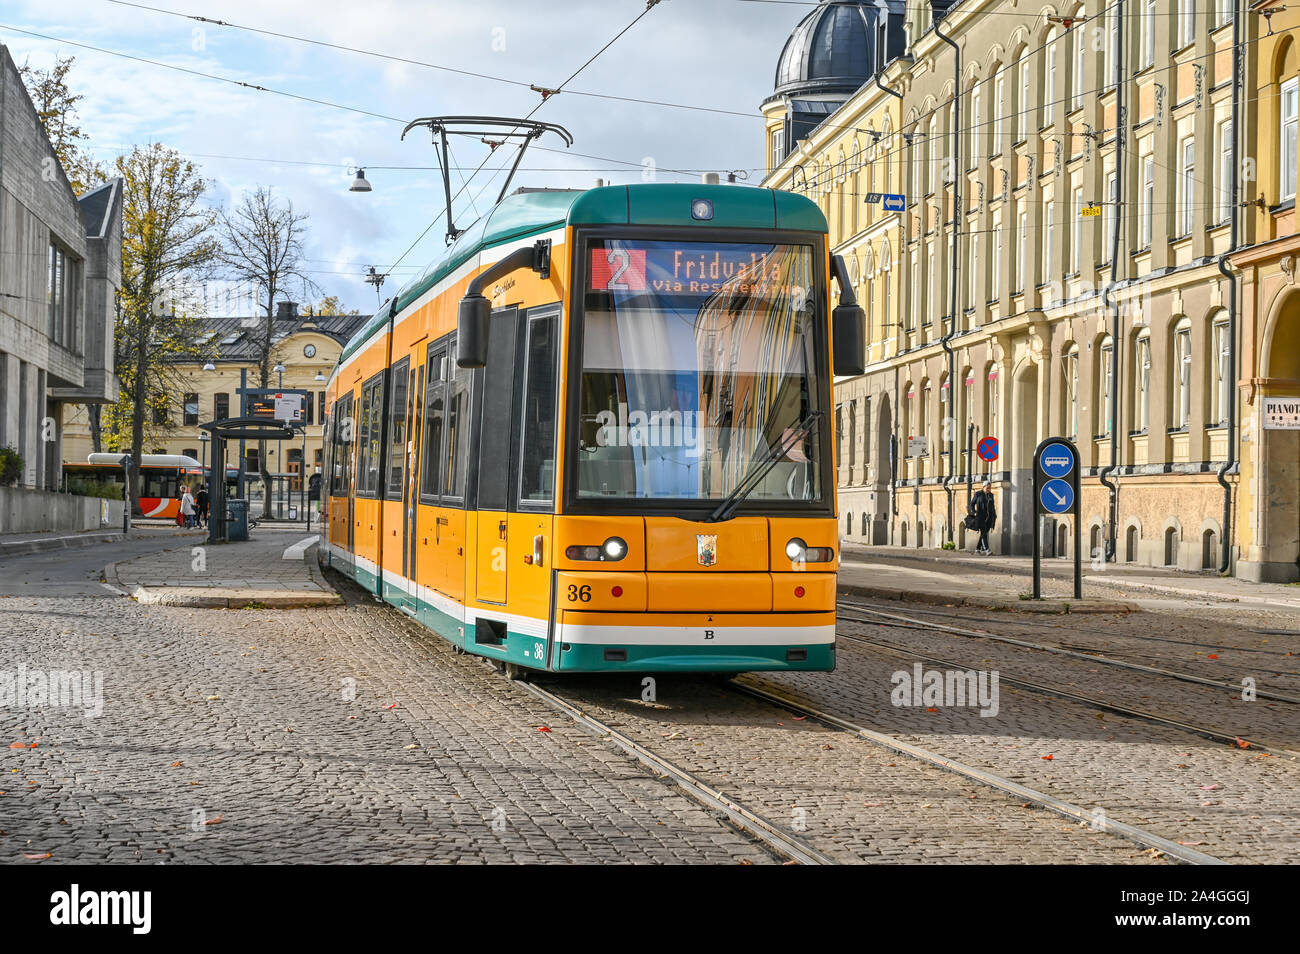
706 548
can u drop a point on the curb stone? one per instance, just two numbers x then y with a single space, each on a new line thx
990 602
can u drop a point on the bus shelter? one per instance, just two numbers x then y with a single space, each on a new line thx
234 429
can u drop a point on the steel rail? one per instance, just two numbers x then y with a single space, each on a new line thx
1130 832
1026 644
1201 731
747 821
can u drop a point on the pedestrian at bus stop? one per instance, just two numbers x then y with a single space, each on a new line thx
201 504
187 506
984 510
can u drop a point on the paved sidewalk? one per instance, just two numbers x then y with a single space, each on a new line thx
274 569
22 543
1001 582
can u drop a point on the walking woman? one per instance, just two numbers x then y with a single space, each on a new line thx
985 511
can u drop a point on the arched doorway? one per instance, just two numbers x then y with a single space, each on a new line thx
1275 554
884 456
1020 460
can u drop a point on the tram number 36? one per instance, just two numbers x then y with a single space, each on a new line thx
579 593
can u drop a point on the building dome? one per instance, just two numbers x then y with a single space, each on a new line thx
831 51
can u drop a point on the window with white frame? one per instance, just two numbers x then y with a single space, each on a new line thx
1023 107
1147 208
1186 22
1080 59
932 305
1022 248
1112 43
1142 381
1049 80
936 154
995 250
778 146
1000 112
1222 372
1186 185
1105 403
1049 240
1109 213
972 271
1227 149
1225 11
1287 141
991 399
1182 374
1076 242
975 130
1072 384
916 292
1148 34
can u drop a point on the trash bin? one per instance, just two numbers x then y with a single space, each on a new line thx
236 520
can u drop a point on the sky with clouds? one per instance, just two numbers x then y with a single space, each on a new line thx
713 53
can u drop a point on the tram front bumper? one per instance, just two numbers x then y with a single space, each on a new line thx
695 642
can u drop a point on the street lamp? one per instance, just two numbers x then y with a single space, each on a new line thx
209 366
360 183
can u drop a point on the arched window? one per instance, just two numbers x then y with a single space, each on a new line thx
1286 138
991 400
1182 374
1221 383
1105 402
1024 97
976 133
1142 380
1079 70
1071 368
923 411
909 395
936 156
1049 79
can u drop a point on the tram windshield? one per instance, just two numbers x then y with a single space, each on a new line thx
699 359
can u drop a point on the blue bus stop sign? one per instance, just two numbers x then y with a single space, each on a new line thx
1056 460
1057 496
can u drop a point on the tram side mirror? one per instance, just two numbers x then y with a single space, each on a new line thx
849 339
472 318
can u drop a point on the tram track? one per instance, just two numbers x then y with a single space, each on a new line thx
1204 732
745 820
910 622
1140 836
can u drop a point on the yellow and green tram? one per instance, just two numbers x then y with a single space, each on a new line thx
596 435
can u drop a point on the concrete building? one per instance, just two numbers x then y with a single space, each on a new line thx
1084 171
60 268
308 346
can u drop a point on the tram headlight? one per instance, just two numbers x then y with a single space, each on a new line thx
800 552
612 550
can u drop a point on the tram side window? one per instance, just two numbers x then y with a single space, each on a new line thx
537 474
395 466
369 450
434 420
343 425
161 483
457 429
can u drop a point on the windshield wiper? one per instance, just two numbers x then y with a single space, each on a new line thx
750 483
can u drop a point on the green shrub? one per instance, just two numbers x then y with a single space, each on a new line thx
94 488
11 466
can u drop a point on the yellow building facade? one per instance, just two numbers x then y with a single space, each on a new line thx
1085 159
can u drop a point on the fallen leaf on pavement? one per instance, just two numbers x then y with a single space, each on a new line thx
1208 788
543 728
1241 743
41 857
391 705
214 821
1048 758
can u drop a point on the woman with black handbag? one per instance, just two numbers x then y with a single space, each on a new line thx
983 516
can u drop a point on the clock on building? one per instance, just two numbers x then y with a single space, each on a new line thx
309 350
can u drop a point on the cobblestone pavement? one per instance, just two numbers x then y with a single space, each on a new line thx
1238 805
227 736
849 798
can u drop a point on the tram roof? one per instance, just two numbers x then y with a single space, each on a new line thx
535 212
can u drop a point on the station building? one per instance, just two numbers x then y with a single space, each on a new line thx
60 269
1072 257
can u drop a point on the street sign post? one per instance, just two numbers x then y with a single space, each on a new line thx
1056 492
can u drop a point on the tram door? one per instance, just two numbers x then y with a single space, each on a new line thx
349 425
410 483
495 446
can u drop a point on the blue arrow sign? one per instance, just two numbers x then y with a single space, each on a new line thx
1057 496
1057 460
895 203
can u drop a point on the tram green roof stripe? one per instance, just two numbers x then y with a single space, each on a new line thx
533 213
